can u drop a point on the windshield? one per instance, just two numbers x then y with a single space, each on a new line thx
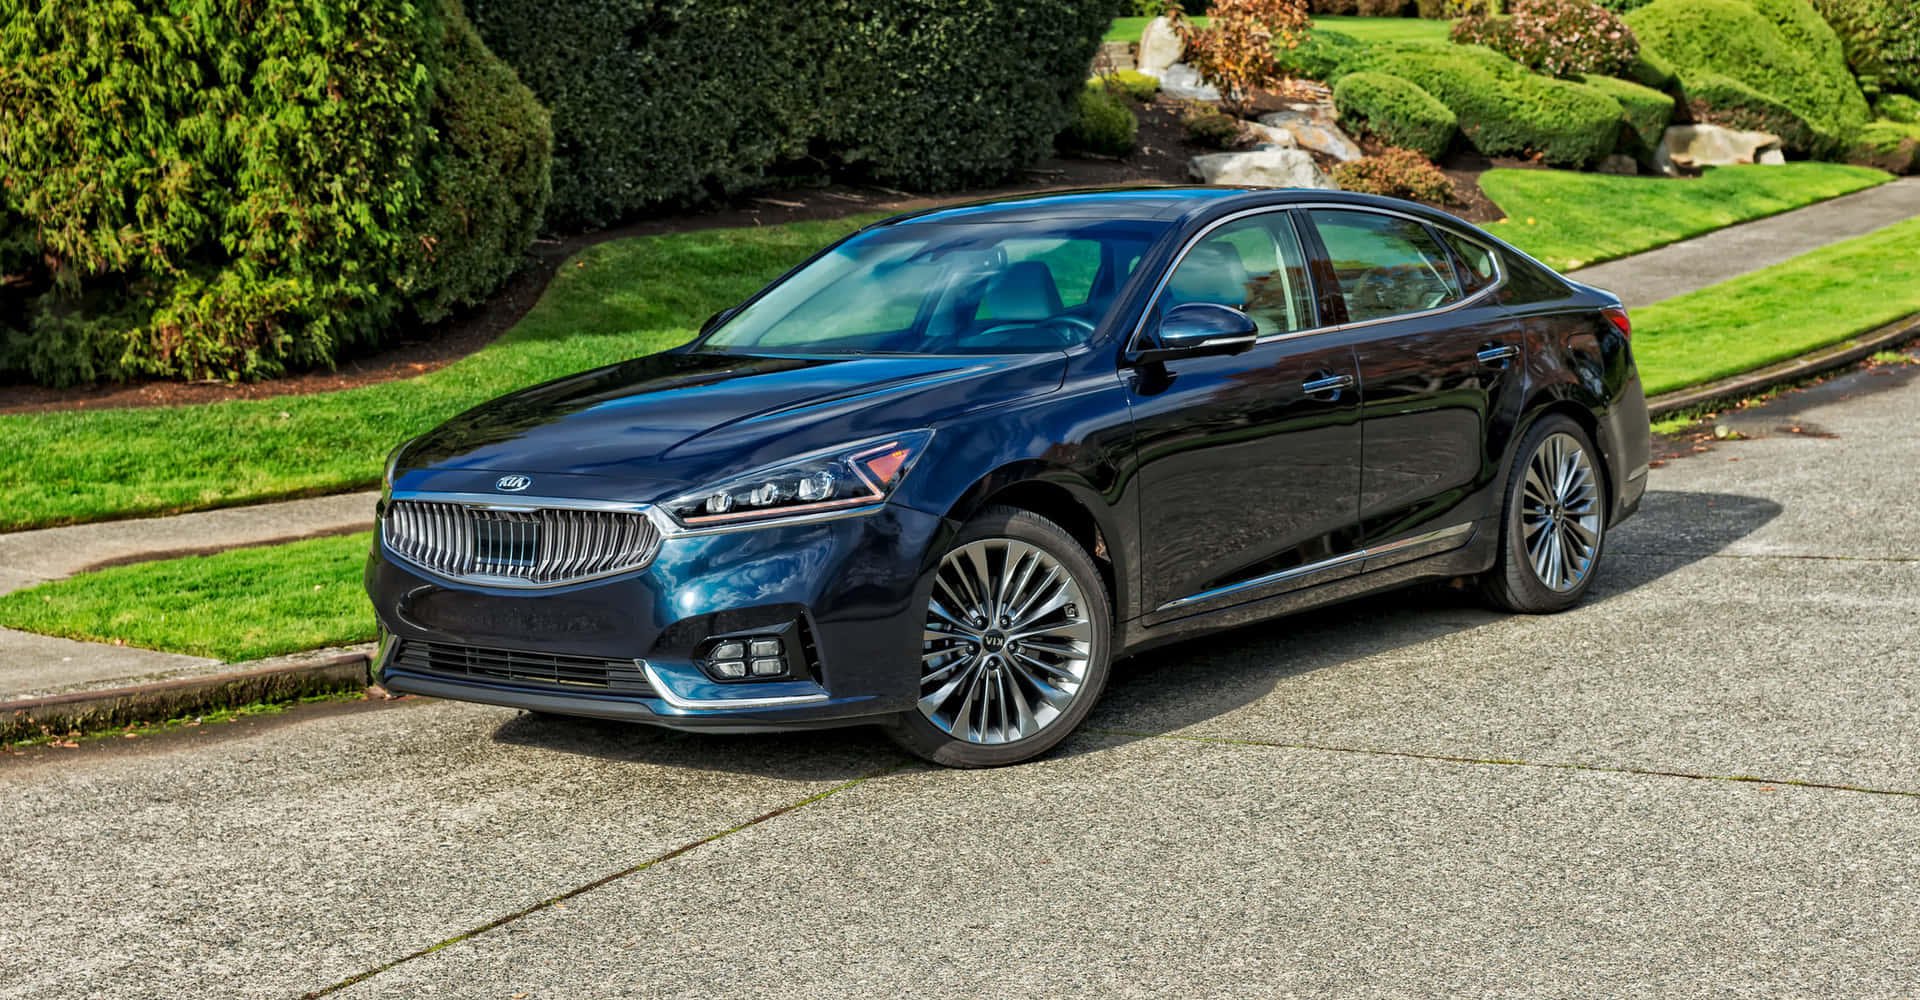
979 288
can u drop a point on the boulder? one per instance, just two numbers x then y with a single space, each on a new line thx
1690 147
1268 137
1316 133
1112 57
1160 47
1264 168
1772 158
1184 83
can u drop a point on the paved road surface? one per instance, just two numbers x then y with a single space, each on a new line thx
1409 796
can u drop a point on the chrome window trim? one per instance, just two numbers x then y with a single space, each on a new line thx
1311 569
1153 301
685 704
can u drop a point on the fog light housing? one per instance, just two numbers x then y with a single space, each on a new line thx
761 655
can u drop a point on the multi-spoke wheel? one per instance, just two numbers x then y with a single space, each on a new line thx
1015 646
1554 524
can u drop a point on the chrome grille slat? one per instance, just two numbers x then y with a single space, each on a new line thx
544 546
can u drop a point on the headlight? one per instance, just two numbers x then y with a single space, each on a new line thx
850 476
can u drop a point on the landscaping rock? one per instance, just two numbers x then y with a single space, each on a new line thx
1160 47
1619 163
1690 147
1266 168
1772 158
1183 83
1315 132
1268 137
1113 57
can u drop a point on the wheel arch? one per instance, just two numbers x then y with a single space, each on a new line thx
1061 498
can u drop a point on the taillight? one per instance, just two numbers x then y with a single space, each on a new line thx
1617 315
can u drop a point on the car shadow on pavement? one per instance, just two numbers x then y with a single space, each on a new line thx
1190 682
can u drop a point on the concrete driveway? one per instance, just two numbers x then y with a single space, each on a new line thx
1705 780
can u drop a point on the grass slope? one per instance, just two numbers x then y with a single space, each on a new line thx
1811 301
611 302
258 602
1569 220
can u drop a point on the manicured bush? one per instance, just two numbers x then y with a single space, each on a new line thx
1645 112
1395 173
1893 108
1134 84
1557 37
487 177
1397 111
1881 39
1213 129
661 102
1503 110
1622 6
1323 55
1651 69
1888 145
1102 123
1768 64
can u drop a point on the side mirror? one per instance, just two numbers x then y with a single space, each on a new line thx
717 318
1198 330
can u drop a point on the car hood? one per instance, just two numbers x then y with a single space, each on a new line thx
646 428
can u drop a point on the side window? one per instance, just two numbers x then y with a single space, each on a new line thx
1254 265
1386 265
1476 262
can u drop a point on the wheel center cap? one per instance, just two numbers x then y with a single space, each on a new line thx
992 641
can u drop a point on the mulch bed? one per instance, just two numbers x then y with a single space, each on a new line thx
1160 157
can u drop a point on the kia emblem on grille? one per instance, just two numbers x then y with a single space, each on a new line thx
512 484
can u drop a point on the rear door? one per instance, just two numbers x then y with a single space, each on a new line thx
1249 464
1441 365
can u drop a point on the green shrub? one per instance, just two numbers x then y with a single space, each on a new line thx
1881 39
1557 37
1134 84
1770 64
659 102
1397 111
1102 123
1503 110
224 190
1324 55
1892 107
1888 145
1651 69
1622 6
487 182
1395 173
1645 112
1213 129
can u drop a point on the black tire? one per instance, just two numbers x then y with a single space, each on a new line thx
1090 615
1514 583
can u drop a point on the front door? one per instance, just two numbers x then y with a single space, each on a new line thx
1441 362
1249 465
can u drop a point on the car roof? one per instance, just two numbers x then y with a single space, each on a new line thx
1165 204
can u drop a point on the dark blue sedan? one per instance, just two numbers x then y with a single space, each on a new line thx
939 476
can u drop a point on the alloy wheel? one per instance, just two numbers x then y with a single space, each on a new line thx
1007 642
1560 513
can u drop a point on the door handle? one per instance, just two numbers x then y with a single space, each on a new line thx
1326 383
1498 356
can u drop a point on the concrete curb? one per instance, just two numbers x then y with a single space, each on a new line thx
121 706
1817 362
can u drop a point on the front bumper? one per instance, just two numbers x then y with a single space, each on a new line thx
848 587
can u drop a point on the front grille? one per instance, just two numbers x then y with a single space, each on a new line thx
541 547
450 660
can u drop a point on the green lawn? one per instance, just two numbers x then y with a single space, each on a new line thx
239 605
613 301
1366 29
249 603
1570 219
1128 29
1811 301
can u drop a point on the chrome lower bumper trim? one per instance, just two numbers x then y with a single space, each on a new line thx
667 695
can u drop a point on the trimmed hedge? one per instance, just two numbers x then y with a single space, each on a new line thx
226 188
1767 64
1888 145
1651 69
1645 113
665 102
1503 110
1397 111
1323 55
1881 39
1102 123
1893 108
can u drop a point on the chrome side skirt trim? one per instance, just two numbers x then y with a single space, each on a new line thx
666 694
1298 572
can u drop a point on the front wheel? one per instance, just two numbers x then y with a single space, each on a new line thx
1553 524
1015 645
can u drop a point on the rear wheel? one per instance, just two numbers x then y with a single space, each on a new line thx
1554 522
1015 645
